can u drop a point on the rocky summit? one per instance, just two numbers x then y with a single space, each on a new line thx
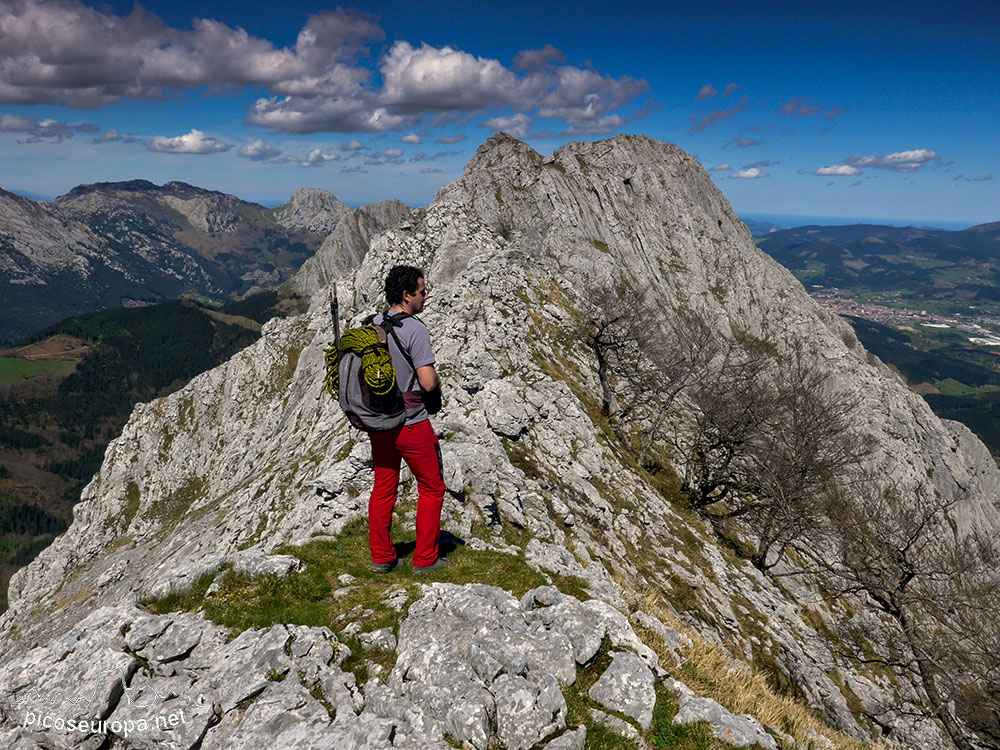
115 244
213 590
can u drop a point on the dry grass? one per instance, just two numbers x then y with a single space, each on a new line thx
711 672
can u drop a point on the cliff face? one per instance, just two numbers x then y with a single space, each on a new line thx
254 455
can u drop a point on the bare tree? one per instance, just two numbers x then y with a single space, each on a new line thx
727 408
807 449
930 597
645 359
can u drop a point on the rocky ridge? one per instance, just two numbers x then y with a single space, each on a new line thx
114 244
345 247
249 457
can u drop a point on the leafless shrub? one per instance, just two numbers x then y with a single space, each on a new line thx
931 599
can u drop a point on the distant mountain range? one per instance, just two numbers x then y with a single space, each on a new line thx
954 269
129 243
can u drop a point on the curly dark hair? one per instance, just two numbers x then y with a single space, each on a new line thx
401 279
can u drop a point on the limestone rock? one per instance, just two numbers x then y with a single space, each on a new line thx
316 211
528 709
349 236
627 686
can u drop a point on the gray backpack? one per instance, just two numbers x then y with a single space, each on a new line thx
361 376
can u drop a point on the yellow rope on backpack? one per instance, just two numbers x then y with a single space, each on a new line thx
376 363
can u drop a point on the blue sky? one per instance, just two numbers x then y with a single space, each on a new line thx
837 110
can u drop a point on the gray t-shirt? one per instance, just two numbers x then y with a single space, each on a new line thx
416 339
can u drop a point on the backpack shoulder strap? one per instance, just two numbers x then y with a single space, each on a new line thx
389 324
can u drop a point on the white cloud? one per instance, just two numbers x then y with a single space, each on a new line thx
900 161
353 145
258 151
69 53
749 174
317 158
111 135
441 78
841 170
391 153
721 168
64 52
195 142
517 125
410 137
38 130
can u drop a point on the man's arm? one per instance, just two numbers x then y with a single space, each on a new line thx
428 377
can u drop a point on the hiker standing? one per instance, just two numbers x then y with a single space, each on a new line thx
414 440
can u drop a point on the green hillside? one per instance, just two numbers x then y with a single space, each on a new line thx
56 424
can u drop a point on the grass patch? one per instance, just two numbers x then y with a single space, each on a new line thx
13 369
308 597
712 673
663 733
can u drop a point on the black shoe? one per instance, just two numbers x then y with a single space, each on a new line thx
440 564
385 567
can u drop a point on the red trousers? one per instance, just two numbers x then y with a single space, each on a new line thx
418 445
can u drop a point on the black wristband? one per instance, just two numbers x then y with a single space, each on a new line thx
432 399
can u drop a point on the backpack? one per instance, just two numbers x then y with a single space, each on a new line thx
360 375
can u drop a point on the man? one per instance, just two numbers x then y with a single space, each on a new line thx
414 440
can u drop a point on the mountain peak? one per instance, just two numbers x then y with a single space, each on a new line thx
312 209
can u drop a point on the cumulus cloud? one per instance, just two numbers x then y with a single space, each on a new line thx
68 53
749 174
900 161
723 114
111 135
391 153
447 139
444 82
38 130
195 142
538 59
838 170
706 92
317 158
258 151
517 125
353 145
721 167
799 107
64 52
410 137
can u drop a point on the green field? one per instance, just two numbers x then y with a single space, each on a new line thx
13 369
